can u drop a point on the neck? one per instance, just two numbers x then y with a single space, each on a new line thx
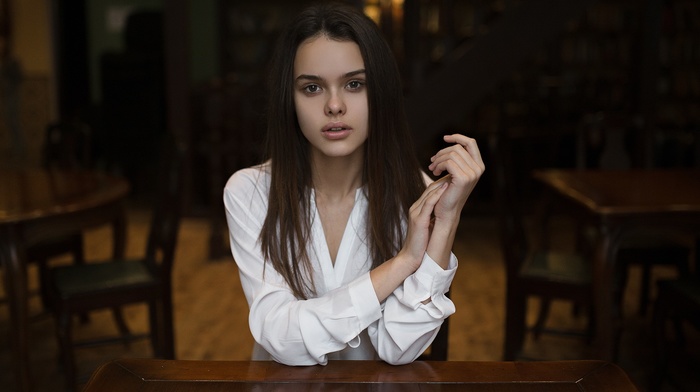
336 178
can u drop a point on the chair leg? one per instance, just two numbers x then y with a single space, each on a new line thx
516 308
64 335
155 328
622 273
168 333
537 329
121 324
660 314
680 257
162 333
440 345
76 249
590 328
42 264
644 293
79 259
78 252
161 327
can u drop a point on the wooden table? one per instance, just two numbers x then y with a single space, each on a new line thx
163 375
619 203
36 205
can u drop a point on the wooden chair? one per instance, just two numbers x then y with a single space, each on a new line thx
66 146
81 288
648 251
533 271
678 300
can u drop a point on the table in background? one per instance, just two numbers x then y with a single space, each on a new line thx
618 202
163 375
36 205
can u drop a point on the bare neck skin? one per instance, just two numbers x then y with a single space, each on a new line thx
336 181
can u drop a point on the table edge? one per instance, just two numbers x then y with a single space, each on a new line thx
153 370
548 178
118 191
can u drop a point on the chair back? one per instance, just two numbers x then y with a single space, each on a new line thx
514 243
67 145
166 213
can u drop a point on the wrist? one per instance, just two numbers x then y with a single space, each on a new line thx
390 274
445 226
405 263
441 241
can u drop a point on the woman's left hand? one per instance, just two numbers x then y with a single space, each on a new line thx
463 161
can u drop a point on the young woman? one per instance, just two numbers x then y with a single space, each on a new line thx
343 251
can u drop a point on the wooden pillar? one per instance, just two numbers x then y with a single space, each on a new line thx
648 76
177 82
69 34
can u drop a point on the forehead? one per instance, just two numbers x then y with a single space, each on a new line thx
328 58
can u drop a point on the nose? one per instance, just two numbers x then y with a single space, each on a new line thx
335 104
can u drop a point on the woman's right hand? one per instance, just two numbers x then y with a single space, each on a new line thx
420 222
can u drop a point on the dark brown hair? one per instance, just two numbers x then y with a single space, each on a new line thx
391 172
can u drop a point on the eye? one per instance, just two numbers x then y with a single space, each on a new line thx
311 88
355 84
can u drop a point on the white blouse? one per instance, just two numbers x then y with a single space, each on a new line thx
345 320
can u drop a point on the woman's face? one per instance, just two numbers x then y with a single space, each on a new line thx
330 96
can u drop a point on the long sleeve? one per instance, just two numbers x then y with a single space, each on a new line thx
307 332
408 326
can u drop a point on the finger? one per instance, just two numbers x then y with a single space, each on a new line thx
455 161
431 187
468 143
429 203
430 195
468 158
458 165
453 152
446 179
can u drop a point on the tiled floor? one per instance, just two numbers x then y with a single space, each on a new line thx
211 312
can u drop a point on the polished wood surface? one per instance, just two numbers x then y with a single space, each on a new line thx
617 203
613 192
36 205
28 194
163 375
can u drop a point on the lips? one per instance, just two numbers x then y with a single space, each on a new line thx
335 127
336 130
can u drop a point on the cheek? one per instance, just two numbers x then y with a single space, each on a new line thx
360 106
299 109
304 117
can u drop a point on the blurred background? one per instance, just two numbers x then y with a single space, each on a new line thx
561 77
575 84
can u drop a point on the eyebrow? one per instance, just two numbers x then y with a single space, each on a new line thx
316 77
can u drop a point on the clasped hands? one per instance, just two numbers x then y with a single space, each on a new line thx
434 217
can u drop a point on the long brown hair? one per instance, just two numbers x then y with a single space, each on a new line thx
391 172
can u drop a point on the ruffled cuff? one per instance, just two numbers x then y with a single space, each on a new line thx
433 282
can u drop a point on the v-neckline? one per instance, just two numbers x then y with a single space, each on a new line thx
333 272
